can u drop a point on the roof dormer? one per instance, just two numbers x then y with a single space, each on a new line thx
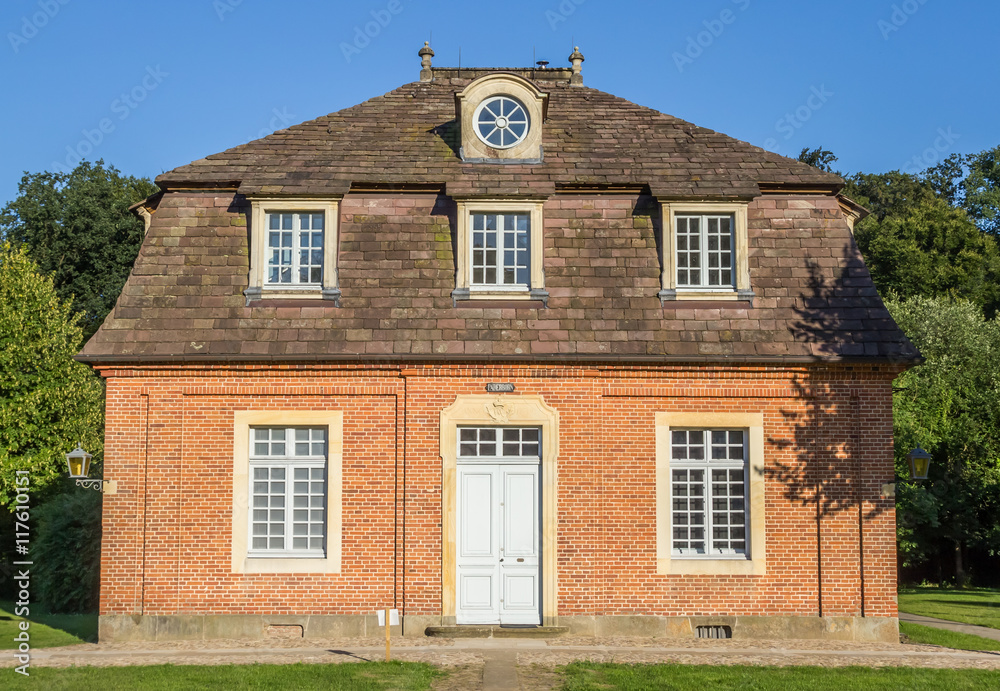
501 117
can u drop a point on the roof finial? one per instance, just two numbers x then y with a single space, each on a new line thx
426 74
576 58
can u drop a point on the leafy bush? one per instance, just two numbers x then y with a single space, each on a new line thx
49 403
67 551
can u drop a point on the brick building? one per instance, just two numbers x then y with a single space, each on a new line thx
497 348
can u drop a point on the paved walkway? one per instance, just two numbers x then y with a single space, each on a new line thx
984 631
521 664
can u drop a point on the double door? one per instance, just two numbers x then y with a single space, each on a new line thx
498 543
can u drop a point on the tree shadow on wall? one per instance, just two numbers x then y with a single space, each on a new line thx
838 314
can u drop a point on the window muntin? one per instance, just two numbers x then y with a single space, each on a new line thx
708 487
499 442
501 249
704 251
295 248
501 122
288 491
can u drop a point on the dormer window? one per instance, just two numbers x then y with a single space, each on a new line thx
293 247
501 122
501 117
499 250
705 252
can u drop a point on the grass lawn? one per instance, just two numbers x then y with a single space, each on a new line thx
971 605
949 639
47 630
360 676
584 676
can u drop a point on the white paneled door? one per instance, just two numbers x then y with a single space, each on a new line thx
498 534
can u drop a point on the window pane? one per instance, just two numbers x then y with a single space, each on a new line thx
272 490
708 517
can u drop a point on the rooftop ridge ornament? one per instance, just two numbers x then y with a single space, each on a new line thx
426 53
576 59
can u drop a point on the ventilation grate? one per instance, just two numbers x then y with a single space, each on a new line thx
714 632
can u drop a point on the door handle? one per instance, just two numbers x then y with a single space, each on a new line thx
501 560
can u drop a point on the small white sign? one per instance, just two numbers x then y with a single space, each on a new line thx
393 617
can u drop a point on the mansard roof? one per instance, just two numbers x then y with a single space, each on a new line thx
184 298
410 136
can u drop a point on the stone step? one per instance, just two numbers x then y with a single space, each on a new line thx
495 631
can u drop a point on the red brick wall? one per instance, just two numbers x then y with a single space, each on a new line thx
169 444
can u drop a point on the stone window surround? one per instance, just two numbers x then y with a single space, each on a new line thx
258 288
670 564
243 420
741 269
464 290
499 410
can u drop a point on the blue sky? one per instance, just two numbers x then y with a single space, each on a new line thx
150 86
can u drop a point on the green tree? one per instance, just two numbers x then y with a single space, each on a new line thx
888 194
981 188
946 178
818 158
48 401
948 405
78 229
931 249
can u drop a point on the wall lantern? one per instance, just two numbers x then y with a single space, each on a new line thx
920 462
78 462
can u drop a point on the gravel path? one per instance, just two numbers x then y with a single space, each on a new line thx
530 654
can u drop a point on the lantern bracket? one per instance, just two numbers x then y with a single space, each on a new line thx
102 486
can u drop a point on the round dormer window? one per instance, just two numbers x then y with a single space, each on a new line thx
501 122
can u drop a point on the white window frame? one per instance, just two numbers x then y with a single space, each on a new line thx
242 561
295 231
258 285
518 106
500 443
500 250
289 462
754 561
740 288
535 288
708 496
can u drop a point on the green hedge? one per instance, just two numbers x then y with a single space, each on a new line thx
67 552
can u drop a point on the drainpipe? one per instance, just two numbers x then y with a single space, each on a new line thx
858 495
